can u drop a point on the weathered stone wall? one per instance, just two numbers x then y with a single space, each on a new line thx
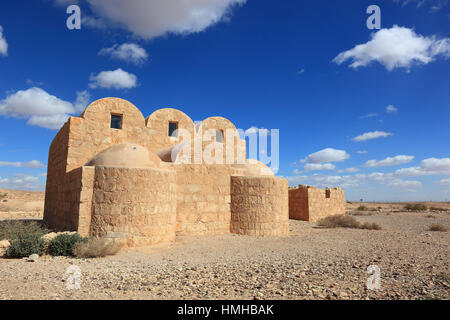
259 206
312 204
57 162
137 206
203 198
298 203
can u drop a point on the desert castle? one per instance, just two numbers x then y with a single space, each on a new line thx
113 173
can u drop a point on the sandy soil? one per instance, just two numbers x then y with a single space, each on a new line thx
312 263
15 204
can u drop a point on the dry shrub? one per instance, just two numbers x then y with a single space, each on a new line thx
370 226
97 247
361 213
437 227
415 207
437 209
343 221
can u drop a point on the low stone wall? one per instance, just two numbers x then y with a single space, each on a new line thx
259 206
135 205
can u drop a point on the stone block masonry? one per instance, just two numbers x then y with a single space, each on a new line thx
312 204
122 181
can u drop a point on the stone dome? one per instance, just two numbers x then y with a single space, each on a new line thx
255 168
126 155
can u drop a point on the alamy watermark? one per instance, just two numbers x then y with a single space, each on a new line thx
73 278
374 281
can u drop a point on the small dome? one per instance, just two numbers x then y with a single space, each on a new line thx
125 155
255 168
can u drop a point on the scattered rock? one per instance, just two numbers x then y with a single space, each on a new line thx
4 245
33 258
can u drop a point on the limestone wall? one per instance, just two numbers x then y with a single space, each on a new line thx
135 205
312 204
259 206
203 198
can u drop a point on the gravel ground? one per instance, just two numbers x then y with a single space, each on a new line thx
312 263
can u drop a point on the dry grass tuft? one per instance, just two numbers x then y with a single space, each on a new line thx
437 227
97 247
343 221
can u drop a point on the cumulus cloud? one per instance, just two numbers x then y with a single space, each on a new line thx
3 44
41 108
372 135
327 155
319 166
391 109
117 79
389 161
129 52
430 166
153 18
28 164
397 47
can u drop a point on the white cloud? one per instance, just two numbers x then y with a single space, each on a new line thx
372 135
397 47
389 161
348 170
29 164
35 104
3 44
150 19
327 155
436 165
319 166
444 182
301 71
22 182
117 79
129 52
428 166
362 151
398 183
391 109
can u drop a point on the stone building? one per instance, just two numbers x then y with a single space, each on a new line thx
312 204
113 173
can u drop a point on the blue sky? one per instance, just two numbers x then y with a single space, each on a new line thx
287 65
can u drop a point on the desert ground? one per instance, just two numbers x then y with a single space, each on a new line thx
311 263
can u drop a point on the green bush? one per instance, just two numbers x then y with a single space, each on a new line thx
15 229
25 245
64 244
362 208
